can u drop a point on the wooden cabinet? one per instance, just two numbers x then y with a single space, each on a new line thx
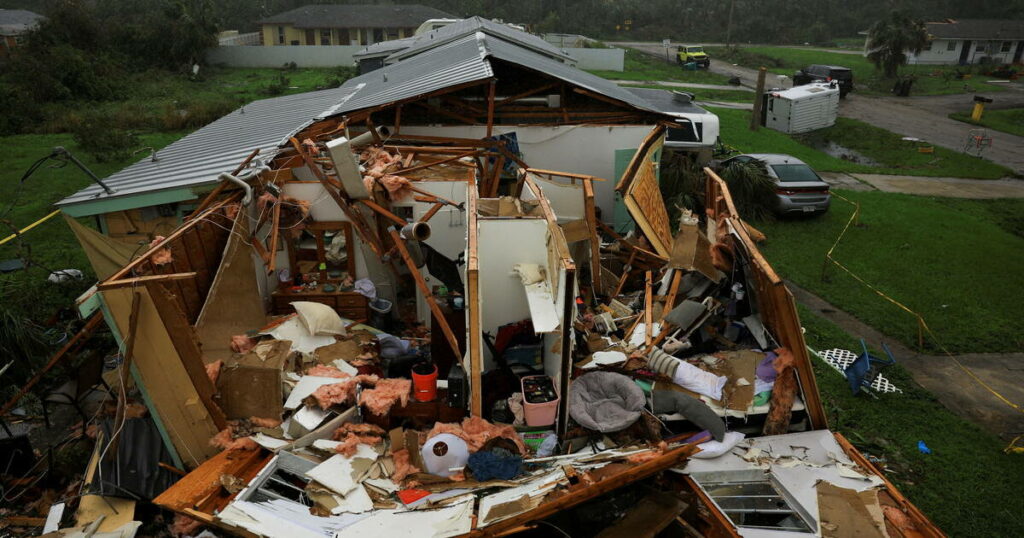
348 304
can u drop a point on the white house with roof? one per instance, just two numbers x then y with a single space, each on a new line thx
972 41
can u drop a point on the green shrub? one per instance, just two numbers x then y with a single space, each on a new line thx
104 141
279 86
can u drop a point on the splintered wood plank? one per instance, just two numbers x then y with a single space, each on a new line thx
201 488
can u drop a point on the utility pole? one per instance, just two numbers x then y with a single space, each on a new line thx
728 25
755 114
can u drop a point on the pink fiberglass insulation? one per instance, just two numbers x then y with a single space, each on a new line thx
403 466
352 435
321 370
476 431
225 441
213 371
386 393
162 256
184 526
343 391
259 422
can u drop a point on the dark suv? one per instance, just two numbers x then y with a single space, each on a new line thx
826 73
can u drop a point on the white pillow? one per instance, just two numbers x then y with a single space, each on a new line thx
713 449
319 319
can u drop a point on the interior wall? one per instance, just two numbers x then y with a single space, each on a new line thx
323 208
566 199
581 149
502 244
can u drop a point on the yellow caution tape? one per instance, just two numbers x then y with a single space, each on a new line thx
922 326
30 226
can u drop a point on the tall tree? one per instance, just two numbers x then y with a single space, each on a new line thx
890 39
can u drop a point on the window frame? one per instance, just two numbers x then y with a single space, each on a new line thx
329 35
281 35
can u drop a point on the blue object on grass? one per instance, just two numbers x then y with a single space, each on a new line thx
923 448
864 369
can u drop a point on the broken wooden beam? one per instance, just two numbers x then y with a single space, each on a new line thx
143 280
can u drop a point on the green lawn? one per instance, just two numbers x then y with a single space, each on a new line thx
893 155
954 261
967 486
701 94
51 245
1009 120
160 100
640 66
931 79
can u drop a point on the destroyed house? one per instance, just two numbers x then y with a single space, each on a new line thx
398 324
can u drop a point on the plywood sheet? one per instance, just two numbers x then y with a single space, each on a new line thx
647 207
164 378
234 304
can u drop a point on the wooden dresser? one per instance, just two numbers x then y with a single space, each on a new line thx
348 304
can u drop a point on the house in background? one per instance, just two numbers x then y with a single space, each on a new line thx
14 23
323 25
971 41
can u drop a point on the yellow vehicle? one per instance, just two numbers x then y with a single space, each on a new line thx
693 54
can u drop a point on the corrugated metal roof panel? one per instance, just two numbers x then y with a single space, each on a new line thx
508 52
458 62
218 147
472 25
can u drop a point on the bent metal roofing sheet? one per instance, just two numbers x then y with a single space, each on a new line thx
197 159
218 147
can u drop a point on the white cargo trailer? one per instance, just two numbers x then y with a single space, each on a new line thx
802 108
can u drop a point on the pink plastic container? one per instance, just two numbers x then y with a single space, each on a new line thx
540 400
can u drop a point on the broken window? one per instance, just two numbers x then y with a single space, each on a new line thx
757 503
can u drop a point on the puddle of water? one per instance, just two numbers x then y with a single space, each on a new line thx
846 154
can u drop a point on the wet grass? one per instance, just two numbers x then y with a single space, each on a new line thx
644 67
893 154
953 261
1009 120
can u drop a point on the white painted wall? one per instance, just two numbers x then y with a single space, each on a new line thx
565 198
582 149
502 244
940 53
603 59
302 55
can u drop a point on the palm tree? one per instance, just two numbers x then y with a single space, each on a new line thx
890 39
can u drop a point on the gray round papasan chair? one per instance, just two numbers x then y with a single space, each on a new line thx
605 401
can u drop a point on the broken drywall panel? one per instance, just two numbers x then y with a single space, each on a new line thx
284 518
305 388
542 307
454 520
295 332
346 165
509 502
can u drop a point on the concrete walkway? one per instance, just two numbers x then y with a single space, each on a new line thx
693 85
949 187
941 376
